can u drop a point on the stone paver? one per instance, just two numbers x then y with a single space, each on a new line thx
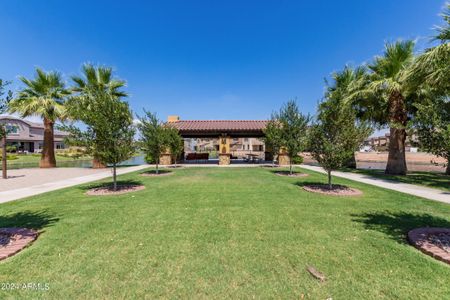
411 189
20 238
420 238
31 185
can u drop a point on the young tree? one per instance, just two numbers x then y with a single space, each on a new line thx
4 101
335 95
154 137
294 126
109 133
335 135
385 98
43 96
100 81
175 142
272 137
432 124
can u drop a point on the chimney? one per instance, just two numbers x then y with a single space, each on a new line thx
172 119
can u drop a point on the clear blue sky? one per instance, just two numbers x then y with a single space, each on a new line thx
209 59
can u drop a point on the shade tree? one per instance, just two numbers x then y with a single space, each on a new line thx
154 137
273 137
334 136
109 132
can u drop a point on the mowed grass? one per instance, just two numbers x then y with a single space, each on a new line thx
225 233
32 161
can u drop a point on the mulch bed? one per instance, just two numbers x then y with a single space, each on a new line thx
294 174
153 173
108 190
13 240
432 241
337 190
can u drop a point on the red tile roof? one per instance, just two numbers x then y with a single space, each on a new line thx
220 125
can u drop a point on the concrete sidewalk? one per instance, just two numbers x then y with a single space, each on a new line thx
411 189
31 190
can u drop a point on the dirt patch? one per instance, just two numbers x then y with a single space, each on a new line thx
432 241
13 240
337 190
108 190
152 173
294 174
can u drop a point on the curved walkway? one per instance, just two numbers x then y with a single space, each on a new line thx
38 181
411 189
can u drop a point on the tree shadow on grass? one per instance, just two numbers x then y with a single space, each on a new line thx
396 225
28 219
153 172
109 184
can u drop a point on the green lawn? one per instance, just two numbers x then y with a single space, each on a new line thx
32 161
225 233
429 179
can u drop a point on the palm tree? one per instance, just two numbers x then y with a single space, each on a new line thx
43 96
384 98
431 70
94 82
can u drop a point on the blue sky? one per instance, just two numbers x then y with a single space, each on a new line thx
209 59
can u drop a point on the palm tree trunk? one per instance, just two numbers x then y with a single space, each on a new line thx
97 164
48 152
396 164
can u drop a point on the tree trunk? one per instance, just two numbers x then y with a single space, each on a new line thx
351 163
157 163
396 164
290 166
48 152
97 164
114 177
447 170
330 186
4 158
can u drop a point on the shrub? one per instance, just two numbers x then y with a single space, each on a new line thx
297 160
11 157
11 149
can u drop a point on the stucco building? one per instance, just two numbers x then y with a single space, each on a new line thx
28 136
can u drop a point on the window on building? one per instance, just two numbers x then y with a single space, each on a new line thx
12 129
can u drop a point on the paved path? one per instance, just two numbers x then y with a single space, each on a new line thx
421 191
36 184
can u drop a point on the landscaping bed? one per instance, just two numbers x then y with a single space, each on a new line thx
336 190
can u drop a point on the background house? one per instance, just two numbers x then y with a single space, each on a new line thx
28 136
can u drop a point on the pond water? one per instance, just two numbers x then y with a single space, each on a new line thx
79 163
